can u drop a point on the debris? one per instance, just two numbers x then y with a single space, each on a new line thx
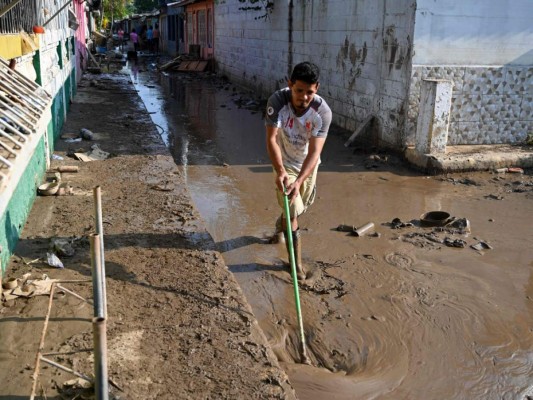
515 170
435 218
54 261
11 283
48 189
345 228
494 197
461 223
501 170
481 246
95 154
57 157
454 242
86 134
68 168
62 247
361 231
397 223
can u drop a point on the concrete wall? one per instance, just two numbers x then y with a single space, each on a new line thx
362 46
53 66
485 48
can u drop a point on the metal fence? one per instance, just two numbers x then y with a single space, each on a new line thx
22 104
17 15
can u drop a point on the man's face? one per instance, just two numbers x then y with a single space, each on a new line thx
302 94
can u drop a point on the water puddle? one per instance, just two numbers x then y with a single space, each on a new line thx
384 318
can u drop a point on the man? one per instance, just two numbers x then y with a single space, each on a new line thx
297 124
156 38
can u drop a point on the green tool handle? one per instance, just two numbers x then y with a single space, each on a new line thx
292 260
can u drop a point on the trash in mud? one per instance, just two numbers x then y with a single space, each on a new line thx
435 218
346 228
62 247
364 229
95 154
54 261
163 187
494 197
450 242
481 246
397 223
515 170
11 283
48 188
68 168
57 157
501 170
28 287
86 134
462 224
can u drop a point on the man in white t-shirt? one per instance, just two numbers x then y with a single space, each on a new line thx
297 124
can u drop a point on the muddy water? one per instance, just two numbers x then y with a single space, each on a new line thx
388 317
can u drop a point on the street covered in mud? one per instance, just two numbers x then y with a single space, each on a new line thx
407 310
401 312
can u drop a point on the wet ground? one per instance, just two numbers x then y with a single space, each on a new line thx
413 312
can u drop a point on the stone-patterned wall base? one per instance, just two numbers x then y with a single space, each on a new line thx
490 105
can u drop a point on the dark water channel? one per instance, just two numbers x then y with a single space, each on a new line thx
389 317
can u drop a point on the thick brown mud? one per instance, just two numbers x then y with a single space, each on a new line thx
400 314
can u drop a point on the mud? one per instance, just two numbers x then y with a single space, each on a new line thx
405 313
399 314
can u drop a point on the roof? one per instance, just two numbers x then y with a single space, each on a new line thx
181 3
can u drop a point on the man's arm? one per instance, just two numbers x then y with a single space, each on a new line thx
274 152
316 145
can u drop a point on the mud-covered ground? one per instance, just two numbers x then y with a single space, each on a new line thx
178 325
405 311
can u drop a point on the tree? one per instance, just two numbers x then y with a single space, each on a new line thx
142 6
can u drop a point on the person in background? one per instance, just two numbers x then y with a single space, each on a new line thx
297 124
120 34
134 39
150 39
156 38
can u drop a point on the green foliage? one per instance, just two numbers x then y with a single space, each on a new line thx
142 6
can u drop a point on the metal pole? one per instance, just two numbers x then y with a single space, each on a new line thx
97 276
57 12
41 343
100 231
303 350
101 384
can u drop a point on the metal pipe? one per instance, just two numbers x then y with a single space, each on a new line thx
100 232
3 160
101 384
41 343
17 143
364 229
74 294
57 12
62 367
303 348
8 149
96 275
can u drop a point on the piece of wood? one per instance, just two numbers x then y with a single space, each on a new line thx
359 130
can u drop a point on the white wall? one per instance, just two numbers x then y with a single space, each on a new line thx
485 47
474 32
363 48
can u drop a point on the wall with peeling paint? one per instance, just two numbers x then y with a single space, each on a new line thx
362 46
485 50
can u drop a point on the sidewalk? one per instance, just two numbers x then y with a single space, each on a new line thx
178 324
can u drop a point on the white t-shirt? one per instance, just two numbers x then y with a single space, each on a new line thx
296 131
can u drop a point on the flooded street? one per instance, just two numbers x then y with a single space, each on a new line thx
399 315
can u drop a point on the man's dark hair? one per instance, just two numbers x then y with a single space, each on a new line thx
306 72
